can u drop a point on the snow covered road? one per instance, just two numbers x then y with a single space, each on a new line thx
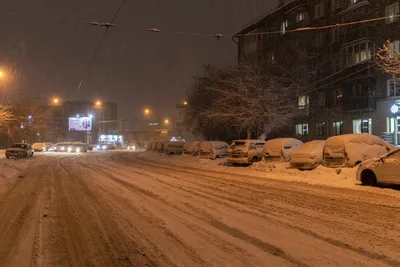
118 209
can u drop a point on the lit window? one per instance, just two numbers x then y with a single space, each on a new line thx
362 126
353 2
390 124
284 25
338 96
337 128
321 128
392 11
301 16
302 129
393 88
304 101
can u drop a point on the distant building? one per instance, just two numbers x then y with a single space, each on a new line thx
349 94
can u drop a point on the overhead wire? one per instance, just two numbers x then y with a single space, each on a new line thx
50 33
215 35
100 43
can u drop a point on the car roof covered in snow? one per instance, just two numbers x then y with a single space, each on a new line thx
248 141
311 147
356 138
282 142
212 144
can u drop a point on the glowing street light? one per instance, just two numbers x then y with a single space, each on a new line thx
166 121
146 111
98 103
1 74
56 100
185 103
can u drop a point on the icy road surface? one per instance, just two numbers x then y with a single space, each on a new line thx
117 209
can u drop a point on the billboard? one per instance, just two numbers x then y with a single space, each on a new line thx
81 124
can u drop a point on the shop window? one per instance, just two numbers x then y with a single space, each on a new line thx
362 126
302 129
337 128
321 128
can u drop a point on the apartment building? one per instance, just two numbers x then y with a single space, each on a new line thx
347 92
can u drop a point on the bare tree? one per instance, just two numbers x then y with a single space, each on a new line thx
6 116
389 59
247 99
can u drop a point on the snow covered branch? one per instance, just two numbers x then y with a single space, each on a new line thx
388 58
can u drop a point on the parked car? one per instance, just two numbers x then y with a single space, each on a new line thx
154 146
349 150
280 149
19 150
176 148
382 170
132 146
245 151
159 146
308 156
192 148
213 149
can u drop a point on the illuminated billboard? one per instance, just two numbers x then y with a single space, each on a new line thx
81 124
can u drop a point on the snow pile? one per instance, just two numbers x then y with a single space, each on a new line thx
280 148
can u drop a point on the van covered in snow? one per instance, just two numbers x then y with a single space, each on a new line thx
280 149
349 150
192 148
176 148
308 156
213 149
245 151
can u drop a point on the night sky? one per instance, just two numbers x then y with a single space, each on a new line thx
128 56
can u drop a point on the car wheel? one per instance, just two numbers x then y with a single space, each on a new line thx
357 163
368 177
254 159
8 157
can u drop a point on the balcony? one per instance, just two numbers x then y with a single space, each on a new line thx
360 104
357 34
354 6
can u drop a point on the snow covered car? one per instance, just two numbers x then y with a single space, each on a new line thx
154 146
245 151
382 170
308 156
19 150
192 148
39 147
160 146
280 149
176 148
349 150
213 150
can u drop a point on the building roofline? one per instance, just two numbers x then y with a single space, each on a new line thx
253 25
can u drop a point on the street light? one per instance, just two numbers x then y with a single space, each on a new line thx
1 74
98 103
56 101
146 111
185 103
166 121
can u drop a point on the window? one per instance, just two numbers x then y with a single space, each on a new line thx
321 100
352 2
337 128
335 4
362 126
362 90
358 53
394 47
338 97
319 10
304 102
319 39
392 11
284 25
393 88
390 124
321 128
301 16
302 129
334 35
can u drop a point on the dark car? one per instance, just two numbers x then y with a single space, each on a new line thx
19 150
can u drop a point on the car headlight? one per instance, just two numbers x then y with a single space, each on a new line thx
104 147
78 150
62 148
133 147
97 147
69 149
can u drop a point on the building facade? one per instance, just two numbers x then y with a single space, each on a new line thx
347 92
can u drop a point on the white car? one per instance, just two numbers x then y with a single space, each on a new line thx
382 170
132 146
